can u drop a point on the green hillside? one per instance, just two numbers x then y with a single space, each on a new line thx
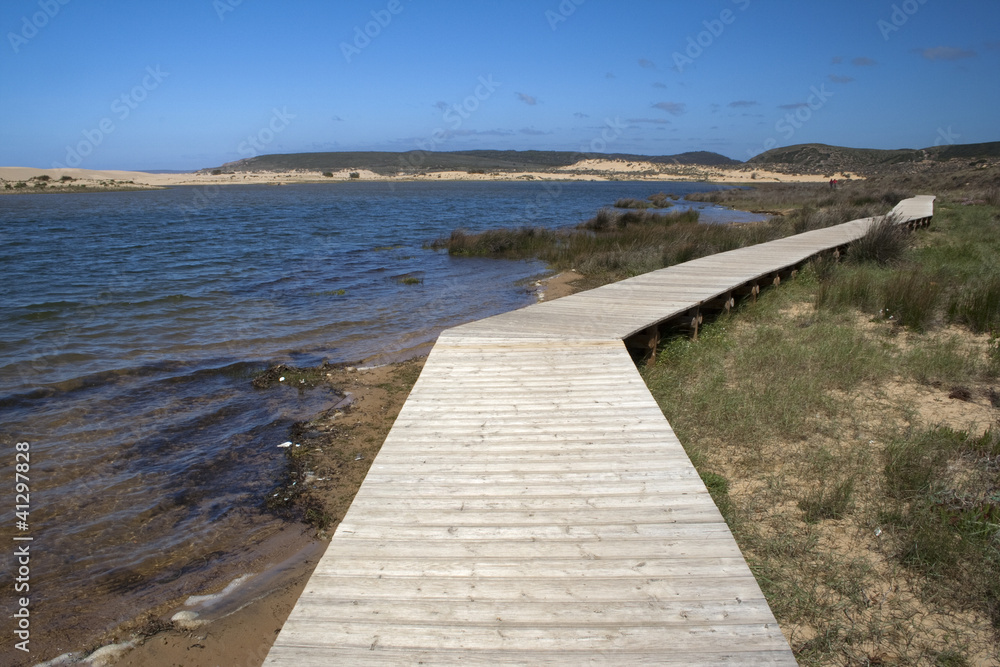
824 159
485 160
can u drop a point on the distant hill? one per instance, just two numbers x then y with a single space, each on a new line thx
485 160
824 159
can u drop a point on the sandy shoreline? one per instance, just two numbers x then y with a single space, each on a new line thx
587 170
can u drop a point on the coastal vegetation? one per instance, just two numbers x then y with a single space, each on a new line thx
46 184
659 200
474 161
846 425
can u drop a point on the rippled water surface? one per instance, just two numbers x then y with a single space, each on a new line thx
131 324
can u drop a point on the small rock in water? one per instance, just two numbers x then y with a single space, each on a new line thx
281 379
287 443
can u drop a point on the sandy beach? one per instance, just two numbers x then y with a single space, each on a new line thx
585 170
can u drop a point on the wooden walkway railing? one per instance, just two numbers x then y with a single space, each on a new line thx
532 506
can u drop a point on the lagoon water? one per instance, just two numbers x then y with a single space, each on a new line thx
132 323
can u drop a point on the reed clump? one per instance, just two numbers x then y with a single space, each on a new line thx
884 243
659 200
613 244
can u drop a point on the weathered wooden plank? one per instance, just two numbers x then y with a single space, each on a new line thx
665 513
678 546
573 533
708 637
515 657
551 590
666 613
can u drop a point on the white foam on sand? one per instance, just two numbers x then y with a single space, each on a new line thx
208 600
108 655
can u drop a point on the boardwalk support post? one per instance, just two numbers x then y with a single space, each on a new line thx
696 319
654 341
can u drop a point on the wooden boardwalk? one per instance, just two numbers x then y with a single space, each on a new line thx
532 506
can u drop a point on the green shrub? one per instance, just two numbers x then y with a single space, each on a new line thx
977 305
624 262
633 203
826 502
946 524
851 287
884 243
910 297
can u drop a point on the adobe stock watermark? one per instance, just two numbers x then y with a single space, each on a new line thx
611 131
223 7
256 143
900 14
363 36
454 116
946 137
562 13
122 107
251 147
31 25
787 125
698 44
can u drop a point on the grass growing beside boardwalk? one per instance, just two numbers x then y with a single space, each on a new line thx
848 424
614 245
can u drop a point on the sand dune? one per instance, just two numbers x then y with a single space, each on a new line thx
589 170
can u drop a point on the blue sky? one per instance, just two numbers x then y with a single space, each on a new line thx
187 84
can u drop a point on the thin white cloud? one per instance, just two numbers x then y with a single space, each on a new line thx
743 104
863 61
645 63
836 78
481 133
530 100
651 121
946 53
672 108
